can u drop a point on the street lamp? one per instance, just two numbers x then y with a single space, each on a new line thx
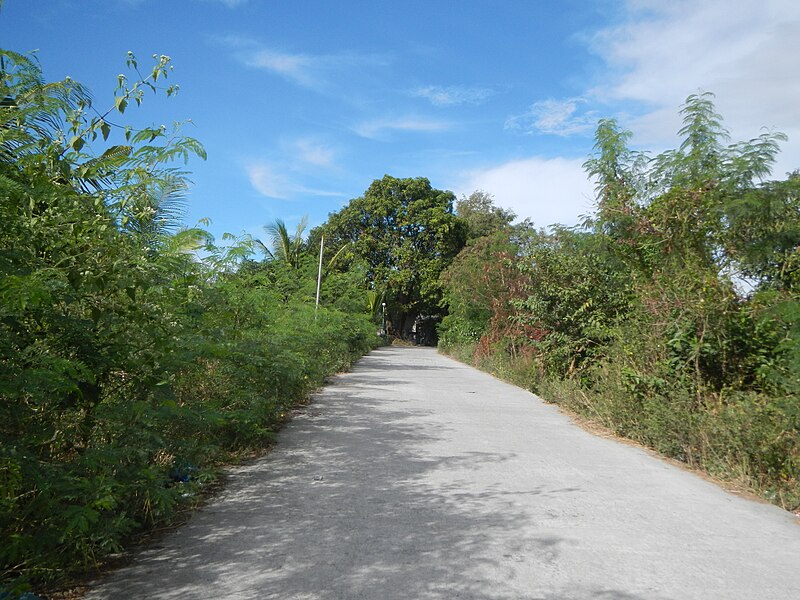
383 327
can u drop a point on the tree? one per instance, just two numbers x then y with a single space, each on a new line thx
763 233
285 247
575 294
481 215
407 233
681 207
618 174
481 285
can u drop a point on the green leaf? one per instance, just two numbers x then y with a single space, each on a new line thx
76 143
79 520
105 129
120 104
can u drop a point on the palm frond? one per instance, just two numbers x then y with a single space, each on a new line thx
263 248
279 240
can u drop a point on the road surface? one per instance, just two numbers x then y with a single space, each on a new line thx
416 477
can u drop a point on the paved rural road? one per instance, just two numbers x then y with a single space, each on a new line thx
416 477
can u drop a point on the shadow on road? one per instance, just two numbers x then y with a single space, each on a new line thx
344 508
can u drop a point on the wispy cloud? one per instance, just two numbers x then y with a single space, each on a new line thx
301 189
377 129
229 3
265 180
662 51
554 117
313 152
308 70
273 181
453 95
299 68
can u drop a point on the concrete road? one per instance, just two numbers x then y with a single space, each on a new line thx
417 477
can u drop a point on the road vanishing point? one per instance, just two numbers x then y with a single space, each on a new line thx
414 476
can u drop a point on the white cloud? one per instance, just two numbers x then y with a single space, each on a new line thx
314 153
298 68
555 117
548 191
308 191
667 50
230 3
316 71
376 129
273 182
454 94
744 51
265 180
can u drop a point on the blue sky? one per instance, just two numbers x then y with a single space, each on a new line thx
302 104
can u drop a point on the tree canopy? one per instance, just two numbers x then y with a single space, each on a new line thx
481 216
406 232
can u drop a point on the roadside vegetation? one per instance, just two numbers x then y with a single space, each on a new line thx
672 317
136 355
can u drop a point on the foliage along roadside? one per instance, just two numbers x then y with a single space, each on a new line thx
640 319
129 369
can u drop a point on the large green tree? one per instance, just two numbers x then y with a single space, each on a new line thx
406 232
481 215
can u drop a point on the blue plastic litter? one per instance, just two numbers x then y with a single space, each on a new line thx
181 473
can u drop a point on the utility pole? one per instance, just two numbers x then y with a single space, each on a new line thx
319 274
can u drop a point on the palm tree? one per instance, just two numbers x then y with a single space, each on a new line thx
283 246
